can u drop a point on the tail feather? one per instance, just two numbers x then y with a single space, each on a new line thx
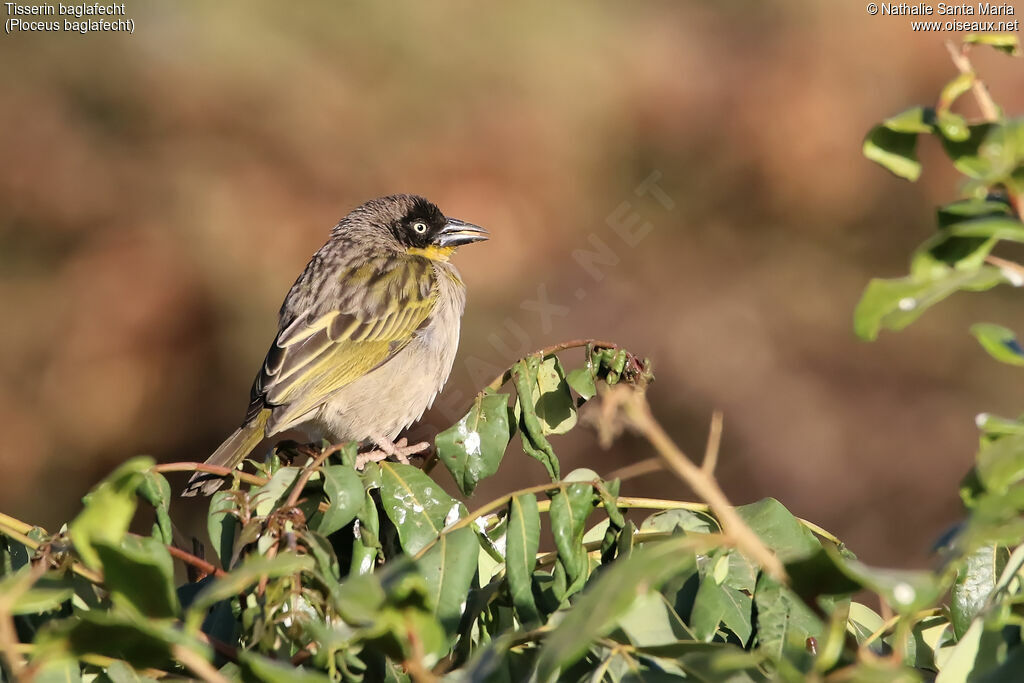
234 449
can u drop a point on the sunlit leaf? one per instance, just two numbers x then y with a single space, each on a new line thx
894 151
1004 42
418 507
569 510
109 509
473 447
1000 342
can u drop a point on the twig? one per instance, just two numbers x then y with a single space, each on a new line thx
199 563
199 666
637 469
547 351
11 527
988 107
300 483
638 412
714 441
1006 265
254 479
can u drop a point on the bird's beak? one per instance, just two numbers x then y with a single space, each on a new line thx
456 233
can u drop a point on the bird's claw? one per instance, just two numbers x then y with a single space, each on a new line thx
399 450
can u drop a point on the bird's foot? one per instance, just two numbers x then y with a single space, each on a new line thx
385 448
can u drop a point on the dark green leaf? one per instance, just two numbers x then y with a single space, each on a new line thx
418 507
223 525
157 492
535 443
140 571
522 542
570 507
893 151
607 599
724 604
975 581
244 576
582 382
448 567
473 447
269 671
344 490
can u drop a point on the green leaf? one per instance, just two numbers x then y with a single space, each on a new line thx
959 664
863 622
913 120
896 152
344 490
1004 42
894 304
59 669
109 509
535 443
720 603
953 126
975 581
552 399
784 623
269 496
157 492
1000 462
953 90
582 382
223 525
610 596
1000 342
139 571
473 447
779 529
570 507
522 541
906 591
448 567
670 521
45 594
419 508
122 635
269 671
245 575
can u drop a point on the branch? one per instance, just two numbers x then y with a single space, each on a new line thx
547 351
199 563
212 469
638 412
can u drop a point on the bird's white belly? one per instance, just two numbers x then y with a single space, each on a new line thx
387 400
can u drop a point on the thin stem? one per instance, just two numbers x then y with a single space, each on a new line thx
714 441
1006 265
254 479
300 483
199 563
988 107
11 527
638 412
548 350
637 469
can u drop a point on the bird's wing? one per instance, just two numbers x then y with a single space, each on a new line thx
360 320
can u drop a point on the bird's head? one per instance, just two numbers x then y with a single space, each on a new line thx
414 225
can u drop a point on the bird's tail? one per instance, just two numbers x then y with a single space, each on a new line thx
230 453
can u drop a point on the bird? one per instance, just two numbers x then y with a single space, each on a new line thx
366 336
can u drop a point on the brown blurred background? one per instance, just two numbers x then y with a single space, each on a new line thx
160 191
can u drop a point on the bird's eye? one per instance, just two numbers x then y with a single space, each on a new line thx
420 227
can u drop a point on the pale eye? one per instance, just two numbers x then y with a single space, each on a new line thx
420 227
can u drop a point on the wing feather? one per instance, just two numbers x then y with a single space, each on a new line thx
375 312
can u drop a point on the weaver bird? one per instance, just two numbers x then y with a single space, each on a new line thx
366 336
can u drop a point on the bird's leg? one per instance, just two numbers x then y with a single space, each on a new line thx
385 448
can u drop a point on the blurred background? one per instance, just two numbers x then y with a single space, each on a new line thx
159 193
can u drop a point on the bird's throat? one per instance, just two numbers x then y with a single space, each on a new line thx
434 253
